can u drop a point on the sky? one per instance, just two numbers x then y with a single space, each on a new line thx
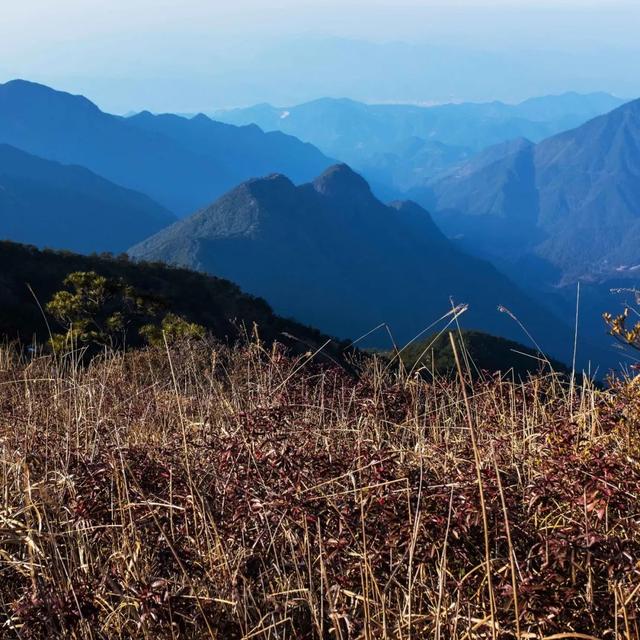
202 55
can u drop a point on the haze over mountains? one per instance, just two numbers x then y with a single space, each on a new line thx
182 164
330 253
571 202
320 319
527 218
403 145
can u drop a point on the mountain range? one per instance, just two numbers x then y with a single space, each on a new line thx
555 214
331 254
393 144
180 163
326 251
568 207
68 207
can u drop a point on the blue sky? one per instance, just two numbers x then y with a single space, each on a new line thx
199 55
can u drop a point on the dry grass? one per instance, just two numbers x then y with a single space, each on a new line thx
215 493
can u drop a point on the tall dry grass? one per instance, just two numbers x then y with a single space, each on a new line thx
206 492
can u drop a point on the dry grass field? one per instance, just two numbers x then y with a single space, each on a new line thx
212 492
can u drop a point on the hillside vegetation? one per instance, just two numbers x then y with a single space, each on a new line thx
208 492
29 278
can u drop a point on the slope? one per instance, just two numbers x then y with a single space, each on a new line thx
216 304
331 255
67 207
571 201
159 160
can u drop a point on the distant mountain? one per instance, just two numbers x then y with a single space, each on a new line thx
182 164
331 255
368 135
412 161
68 207
218 305
570 205
498 205
550 215
244 152
568 107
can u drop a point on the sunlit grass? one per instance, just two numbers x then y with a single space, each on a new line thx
238 493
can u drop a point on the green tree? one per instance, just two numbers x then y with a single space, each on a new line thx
98 312
173 328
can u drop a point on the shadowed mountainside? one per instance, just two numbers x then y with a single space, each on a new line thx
571 201
482 353
68 207
180 163
331 255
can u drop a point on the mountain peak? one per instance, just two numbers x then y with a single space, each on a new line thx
323 253
23 91
141 116
269 189
341 180
26 85
272 179
408 206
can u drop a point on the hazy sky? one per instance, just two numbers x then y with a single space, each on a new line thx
198 55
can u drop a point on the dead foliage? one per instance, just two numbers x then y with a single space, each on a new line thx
239 493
